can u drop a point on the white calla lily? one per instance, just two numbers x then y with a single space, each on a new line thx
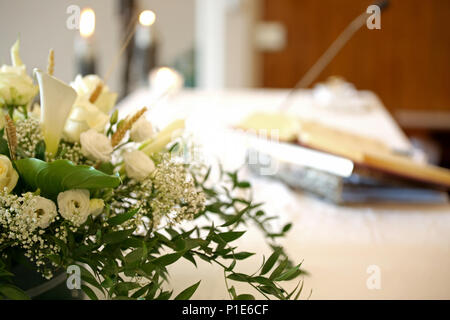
57 99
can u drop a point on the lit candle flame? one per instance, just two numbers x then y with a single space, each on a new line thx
166 80
147 18
87 22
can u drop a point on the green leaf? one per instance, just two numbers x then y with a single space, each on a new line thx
232 290
271 261
298 292
39 150
190 257
123 287
243 184
273 290
13 292
89 292
235 218
3 145
245 297
186 294
278 270
167 259
148 268
141 292
106 167
88 277
259 213
135 255
5 273
132 243
289 274
60 175
287 227
231 266
121 218
239 256
263 281
153 287
300 283
107 283
117 236
193 243
164 295
230 235
241 277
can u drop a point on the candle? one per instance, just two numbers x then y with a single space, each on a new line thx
145 48
165 81
84 43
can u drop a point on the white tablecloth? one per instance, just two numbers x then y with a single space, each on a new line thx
340 246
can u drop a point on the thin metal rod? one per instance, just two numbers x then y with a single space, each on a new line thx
132 30
326 57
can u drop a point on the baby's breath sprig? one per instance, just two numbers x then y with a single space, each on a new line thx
29 139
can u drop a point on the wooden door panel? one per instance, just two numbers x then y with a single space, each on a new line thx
406 63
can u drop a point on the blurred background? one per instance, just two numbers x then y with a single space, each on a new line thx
233 57
255 43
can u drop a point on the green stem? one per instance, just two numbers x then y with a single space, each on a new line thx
25 111
225 267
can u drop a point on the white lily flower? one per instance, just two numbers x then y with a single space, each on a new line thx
85 114
164 137
15 57
57 99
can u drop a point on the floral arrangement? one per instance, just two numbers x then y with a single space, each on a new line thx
79 186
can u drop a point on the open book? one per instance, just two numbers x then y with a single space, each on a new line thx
341 166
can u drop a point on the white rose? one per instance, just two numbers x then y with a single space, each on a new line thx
96 146
8 176
74 205
138 165
96 206
42 210
141 130
16 87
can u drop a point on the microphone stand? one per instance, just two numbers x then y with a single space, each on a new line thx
330 53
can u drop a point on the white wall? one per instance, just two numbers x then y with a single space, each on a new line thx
225 43
42 25
241 58
175 24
